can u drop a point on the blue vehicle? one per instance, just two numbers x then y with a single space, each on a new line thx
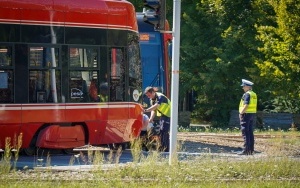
155 52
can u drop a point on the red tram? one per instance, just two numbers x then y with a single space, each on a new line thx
70 73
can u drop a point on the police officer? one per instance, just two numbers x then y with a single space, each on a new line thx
162 104
103 96
247 111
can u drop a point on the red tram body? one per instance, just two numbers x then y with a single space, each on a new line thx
54 57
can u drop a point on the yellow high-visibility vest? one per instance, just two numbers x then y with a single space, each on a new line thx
252 107
164 108
103 98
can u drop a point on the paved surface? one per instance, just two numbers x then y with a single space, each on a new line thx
126 158
58 160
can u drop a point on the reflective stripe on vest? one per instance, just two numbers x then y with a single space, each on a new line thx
103 98
164 108
252 105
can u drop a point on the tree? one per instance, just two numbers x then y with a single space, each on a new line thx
225 41
217 54
279 62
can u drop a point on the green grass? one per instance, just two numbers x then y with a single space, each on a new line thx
210 129
154 171
153 184
202 172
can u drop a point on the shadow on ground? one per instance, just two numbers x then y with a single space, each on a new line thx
199 147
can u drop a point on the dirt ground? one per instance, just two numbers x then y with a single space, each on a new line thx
230 143
201 143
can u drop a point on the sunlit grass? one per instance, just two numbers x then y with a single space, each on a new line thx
154 170
153 184
11 153
236 129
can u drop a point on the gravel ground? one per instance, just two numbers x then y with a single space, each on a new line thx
212 143
230 143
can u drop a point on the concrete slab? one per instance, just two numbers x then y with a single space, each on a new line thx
91 148
80 167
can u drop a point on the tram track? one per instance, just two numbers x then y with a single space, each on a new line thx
263 142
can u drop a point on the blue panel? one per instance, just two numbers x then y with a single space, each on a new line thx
151 61
152 55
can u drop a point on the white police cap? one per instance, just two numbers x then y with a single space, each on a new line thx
246 83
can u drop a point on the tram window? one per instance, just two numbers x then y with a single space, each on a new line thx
44 57
41 34
5 56
134 70
3 80
9 32
44 75
6 75
83 57
85 35
6 86
117 85
84 86
134 58
44 86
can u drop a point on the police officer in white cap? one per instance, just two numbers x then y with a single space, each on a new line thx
247 111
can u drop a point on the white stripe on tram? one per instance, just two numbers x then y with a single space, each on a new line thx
41 107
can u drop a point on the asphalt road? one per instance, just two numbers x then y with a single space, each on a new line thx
77 158
80 159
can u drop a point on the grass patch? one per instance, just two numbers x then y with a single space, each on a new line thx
154 170
210 129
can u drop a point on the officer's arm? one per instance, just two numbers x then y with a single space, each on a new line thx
246 103
244 109
152 108
152 116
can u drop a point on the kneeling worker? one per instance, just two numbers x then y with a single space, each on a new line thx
162 104
147 126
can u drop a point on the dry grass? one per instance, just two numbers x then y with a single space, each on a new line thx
154 170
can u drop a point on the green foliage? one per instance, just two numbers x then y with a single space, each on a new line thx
225 41
279 62
231 40
282 104
216 55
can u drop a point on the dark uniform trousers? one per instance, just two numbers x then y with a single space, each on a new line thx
247 131
164 133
